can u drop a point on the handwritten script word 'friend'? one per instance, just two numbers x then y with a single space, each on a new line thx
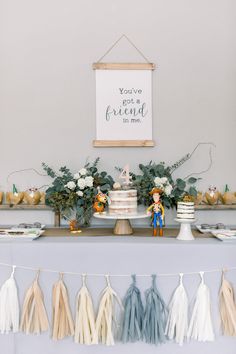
121 111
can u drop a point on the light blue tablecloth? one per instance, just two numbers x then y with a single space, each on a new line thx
117 255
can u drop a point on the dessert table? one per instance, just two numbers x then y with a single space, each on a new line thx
97 251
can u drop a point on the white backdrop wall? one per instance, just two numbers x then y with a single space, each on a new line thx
47 86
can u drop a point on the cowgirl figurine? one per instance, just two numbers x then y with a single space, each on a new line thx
158 211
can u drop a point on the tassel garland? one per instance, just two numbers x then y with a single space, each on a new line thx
9 305
85 319
177 322
62 319
227 307
34 317
133 315
155 316
200 327
106 316
153 323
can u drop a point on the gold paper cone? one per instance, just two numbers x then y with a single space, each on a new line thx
32 198
199 198
212 199
14 198
228 198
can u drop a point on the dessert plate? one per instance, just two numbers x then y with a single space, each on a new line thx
210 229
225 235
19 234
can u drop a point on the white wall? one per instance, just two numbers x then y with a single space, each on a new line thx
47 85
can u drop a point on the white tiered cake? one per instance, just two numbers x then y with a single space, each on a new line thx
185 210
123 202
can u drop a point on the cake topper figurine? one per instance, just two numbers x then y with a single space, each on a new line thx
158 211
126 176
101 199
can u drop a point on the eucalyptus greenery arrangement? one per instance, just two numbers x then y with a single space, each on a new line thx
73 194
159 175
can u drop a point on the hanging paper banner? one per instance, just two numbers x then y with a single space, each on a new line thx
123 104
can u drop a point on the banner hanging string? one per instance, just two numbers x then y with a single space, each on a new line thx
47 270
117 41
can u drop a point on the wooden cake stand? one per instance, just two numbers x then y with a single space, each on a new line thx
122 225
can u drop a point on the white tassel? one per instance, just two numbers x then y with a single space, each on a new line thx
200 327
9 305
177 322
85 319
106 316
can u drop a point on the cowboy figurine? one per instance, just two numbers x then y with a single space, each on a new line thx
158 211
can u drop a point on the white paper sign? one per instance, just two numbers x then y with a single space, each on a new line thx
124 104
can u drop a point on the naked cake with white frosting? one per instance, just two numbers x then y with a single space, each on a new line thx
123 202
185 210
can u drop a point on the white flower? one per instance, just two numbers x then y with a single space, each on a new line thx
168 189
83 171
157 181
89 181
71 185
80 193
116 185
164 180
76 176
81 183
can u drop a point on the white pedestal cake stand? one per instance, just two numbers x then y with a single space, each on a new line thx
122 225
185 233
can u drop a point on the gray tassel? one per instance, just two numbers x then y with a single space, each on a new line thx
133 314
155 316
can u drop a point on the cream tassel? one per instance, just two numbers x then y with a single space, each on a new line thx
34 317
62 319
9 305
85 319
106 316
227 307
177 322
200 327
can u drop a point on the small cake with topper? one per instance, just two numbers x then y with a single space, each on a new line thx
185 208
186 217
